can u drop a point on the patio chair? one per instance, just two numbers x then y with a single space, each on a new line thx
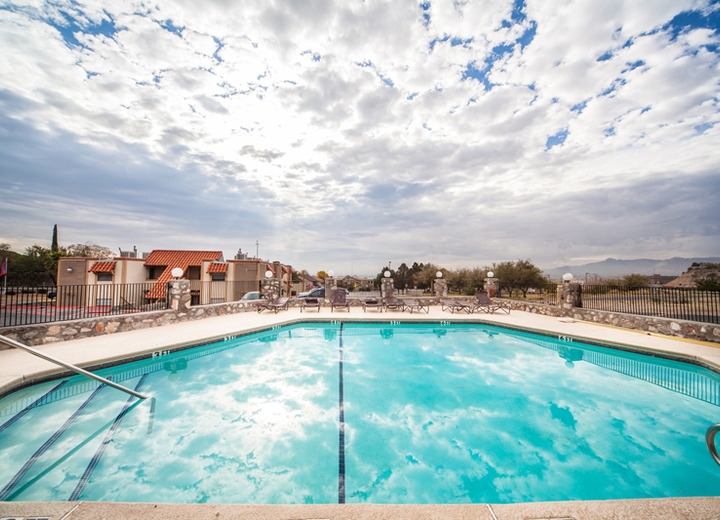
416 305
371 303
339 300
453 305
483 303
312 303
393 304
280 304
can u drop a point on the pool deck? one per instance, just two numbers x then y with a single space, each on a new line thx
18 368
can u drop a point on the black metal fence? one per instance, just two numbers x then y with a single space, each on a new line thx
30 305
663 302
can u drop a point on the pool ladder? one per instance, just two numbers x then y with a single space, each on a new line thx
73 368
710 441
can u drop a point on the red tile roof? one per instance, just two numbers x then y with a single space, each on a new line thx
102 267
217 267
172 259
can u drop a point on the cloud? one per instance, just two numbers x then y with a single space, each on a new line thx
350 134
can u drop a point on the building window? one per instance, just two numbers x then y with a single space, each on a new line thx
104 277
154 271
218 277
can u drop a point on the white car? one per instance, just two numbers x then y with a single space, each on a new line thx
251 296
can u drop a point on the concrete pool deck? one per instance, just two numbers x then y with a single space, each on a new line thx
18 368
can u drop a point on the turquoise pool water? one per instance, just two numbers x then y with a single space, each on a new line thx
375 413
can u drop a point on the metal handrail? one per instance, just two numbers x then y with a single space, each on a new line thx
710 441
73 368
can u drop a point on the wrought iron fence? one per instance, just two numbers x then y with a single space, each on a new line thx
545 293
663 302
30 305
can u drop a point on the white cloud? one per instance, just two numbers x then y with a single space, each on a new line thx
373 124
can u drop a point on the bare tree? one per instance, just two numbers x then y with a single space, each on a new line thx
89 250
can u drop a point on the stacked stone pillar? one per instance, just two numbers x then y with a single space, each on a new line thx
270 289
178 295
440 288
330 288
491 287
387 288
570 295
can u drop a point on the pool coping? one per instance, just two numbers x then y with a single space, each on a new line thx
19 369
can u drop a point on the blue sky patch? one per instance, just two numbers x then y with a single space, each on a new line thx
425 6
472 72
579 107
169 26
106 27
556 140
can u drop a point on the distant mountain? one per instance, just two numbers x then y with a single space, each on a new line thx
613 267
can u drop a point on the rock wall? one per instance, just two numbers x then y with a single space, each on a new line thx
670 327
67 330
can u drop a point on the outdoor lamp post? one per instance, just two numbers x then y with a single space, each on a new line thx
567 277
177 272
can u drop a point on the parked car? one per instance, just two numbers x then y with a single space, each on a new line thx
250 296
52 293
317 292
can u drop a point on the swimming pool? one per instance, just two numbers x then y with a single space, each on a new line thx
371 412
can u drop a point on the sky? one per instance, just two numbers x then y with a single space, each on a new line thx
346 135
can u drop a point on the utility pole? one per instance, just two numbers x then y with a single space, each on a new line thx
257 249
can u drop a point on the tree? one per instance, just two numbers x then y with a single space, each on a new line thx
522 275
710 283
428 274
403 277
89 250
322 275
54 248
635 281
466 281
32 268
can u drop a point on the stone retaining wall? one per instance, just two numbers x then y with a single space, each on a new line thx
667 326
61 331
65 330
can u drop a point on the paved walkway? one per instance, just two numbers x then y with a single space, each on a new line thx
17 367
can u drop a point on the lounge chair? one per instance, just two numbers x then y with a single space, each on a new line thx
453 305
416 305
280 304
339 300
393 304
483 303
371 303
313 303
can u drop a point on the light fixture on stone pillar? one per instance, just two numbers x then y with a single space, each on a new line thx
268 274
331 273
387 274
567 277
177 272
70 269
438 274
490 274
